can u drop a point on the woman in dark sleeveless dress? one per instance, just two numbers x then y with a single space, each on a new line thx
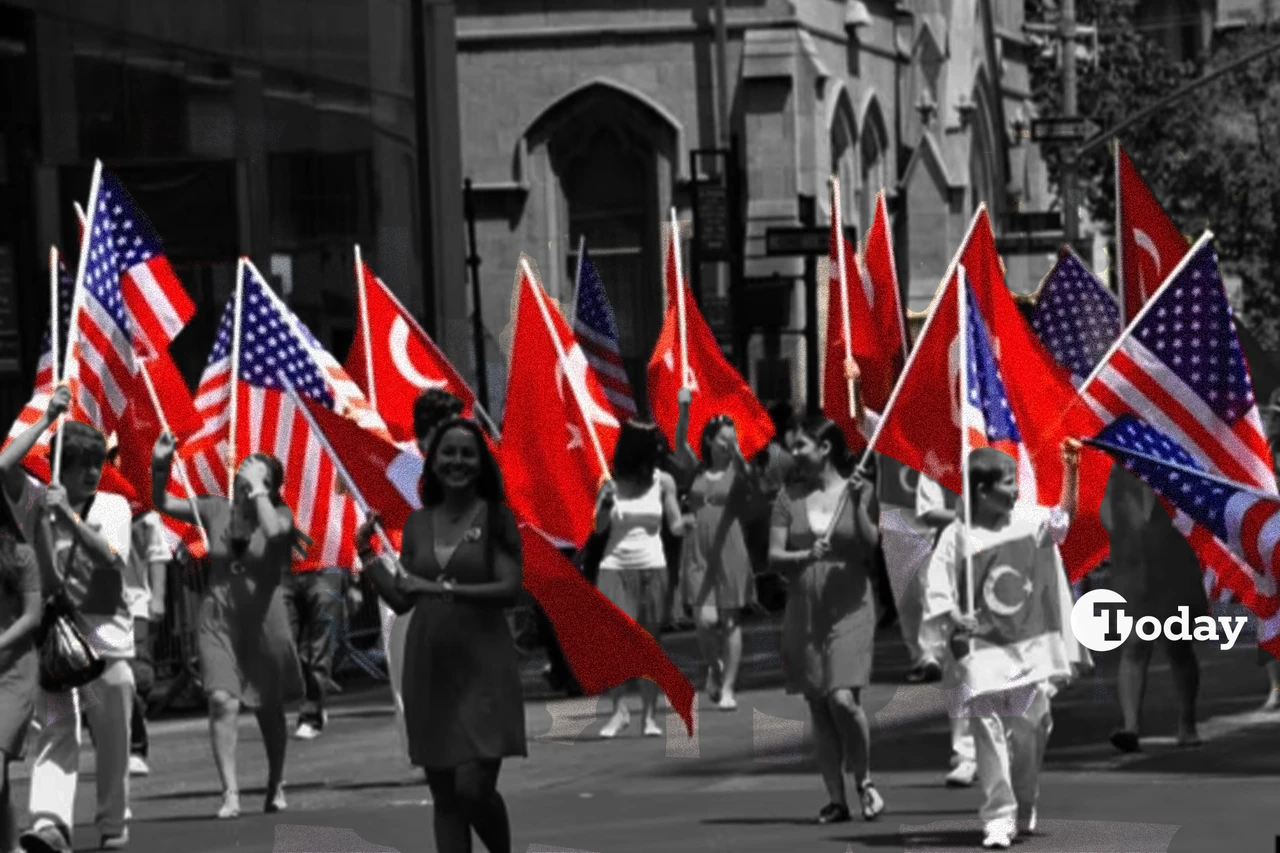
460 565
247 655
828 632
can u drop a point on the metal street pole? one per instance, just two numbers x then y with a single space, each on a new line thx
477 318
722 62
1070 109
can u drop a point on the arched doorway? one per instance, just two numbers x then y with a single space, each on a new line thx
844 162
875 171
611 156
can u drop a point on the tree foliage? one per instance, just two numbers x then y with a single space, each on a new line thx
1209 157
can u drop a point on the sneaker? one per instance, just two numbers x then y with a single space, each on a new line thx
138 766
999 835
116 841
46 839
727 701
1027 825
834 813
306 731
962 775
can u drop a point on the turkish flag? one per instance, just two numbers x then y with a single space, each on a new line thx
876 326
558 430
141 425
405 360
717 388
1150 244
603 646
1043 400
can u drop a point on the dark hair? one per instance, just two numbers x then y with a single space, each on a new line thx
709 433
489 484
824 431
783 415
432 408
82 445
276 469
988 466
635 456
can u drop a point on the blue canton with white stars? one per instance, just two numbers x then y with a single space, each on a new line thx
1075 317
1203 498
66 292
1190 330
593 307
269 347
120 238
986 388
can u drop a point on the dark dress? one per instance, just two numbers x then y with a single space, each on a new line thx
246 645
715 562
461 687
18 665
828 629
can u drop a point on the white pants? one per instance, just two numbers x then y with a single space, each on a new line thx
910 615
394 631
962 746
107 705
1010 732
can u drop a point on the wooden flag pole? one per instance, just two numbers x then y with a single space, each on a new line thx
182 465
837 219
54 305
362 292
962 302
536 289
235 376
77 301
680 308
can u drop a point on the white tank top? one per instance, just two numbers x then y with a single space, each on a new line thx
635 532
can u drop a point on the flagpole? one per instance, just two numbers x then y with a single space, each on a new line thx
915 351
1119 272
182 465
362 292
577 280
962 302
680 309
535 287
235 375
77 301
837 220
54 305
356 495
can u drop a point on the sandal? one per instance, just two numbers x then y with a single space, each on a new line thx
872 802
834 813
230 806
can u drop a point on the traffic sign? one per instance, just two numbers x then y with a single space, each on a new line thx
1063 130
793 241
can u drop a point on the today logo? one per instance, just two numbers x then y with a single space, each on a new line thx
1101 623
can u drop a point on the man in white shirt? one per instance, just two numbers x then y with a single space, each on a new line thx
83 537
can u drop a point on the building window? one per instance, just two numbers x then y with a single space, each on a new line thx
318 197
844 160
129 111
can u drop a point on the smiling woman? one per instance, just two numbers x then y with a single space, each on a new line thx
460 567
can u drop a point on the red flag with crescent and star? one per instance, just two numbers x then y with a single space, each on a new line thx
1150 244
405 360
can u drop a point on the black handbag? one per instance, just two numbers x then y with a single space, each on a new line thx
590 555
67 661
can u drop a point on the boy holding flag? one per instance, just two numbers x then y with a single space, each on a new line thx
1010 634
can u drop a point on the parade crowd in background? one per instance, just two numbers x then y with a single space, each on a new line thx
1081 430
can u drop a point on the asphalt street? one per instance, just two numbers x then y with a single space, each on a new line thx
746 784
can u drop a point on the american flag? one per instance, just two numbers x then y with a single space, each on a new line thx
1075 317
1244 520
597 334
278 352
1180 368
157 302
101 370
43 391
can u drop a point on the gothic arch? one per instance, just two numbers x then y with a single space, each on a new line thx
986 152
842 130
874 147
602 160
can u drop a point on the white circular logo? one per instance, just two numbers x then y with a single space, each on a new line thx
1099 620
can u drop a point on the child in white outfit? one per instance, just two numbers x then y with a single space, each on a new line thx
1015 644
